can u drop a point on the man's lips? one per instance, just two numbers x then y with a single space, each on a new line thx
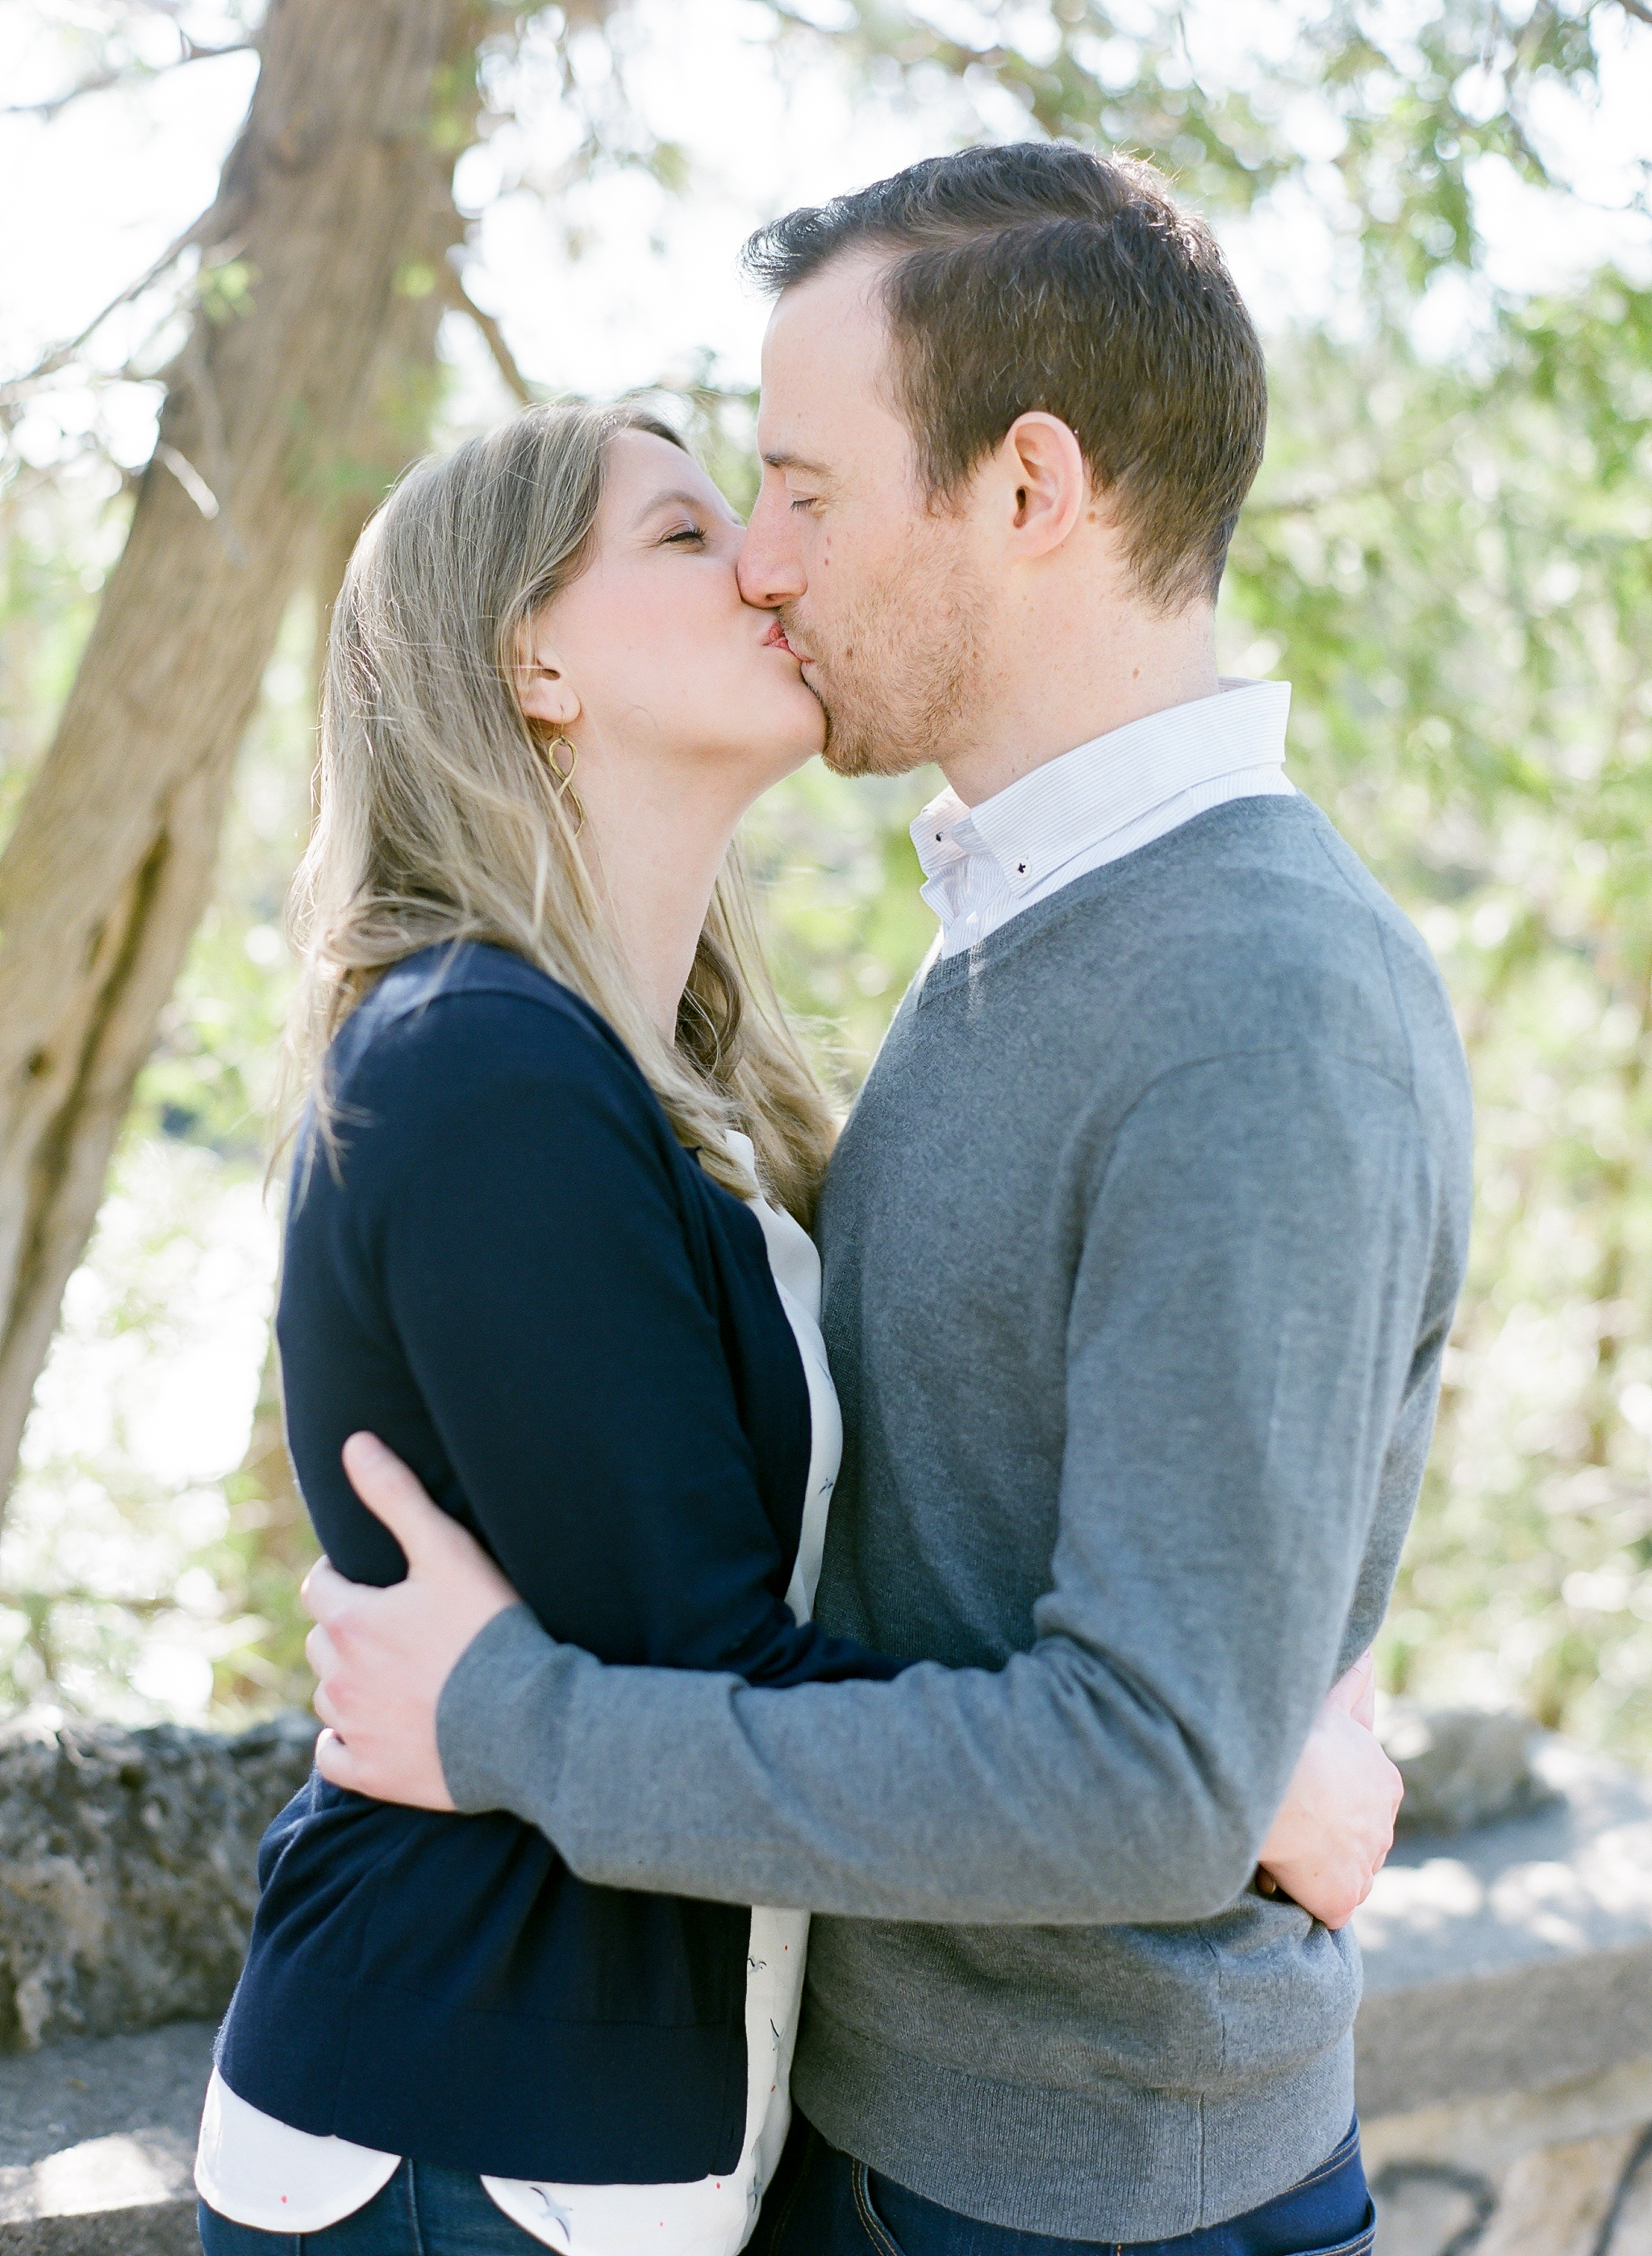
776 639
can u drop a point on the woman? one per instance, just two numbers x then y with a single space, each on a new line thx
546 1239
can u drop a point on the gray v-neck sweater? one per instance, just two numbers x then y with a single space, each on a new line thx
1141 1246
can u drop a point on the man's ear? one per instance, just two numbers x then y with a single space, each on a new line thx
1047 484
543 690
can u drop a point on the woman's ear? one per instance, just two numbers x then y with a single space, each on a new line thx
543 690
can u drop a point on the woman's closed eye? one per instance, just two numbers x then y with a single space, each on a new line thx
686 535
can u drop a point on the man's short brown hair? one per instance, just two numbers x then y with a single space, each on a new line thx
1038 276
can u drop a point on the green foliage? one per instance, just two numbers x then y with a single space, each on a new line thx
142 1570
845 926
1120 77
110 1593
1455 569
55 546
1451 561
255 1566
213 1076
1421 95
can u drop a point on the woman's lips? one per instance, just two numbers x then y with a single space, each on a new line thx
775 639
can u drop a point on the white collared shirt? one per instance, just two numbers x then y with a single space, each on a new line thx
984 865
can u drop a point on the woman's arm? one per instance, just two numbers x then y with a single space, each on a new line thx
519 1224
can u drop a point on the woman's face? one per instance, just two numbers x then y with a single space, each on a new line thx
649 662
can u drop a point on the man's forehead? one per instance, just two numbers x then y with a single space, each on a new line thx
834 317
823 363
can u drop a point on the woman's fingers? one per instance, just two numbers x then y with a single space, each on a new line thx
335 1761
322 1589
1355 1693
320 1652
1336 1826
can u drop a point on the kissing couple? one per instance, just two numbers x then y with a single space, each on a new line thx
1047 1744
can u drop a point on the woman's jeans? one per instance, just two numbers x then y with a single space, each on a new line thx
423 2211
822 2203
825 2204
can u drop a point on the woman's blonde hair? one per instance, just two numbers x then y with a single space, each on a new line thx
440 817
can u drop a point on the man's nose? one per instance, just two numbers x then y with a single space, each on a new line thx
769 567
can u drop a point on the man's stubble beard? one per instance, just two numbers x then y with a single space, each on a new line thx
900 674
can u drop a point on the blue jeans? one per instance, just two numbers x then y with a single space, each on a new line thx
825 2204
423 2211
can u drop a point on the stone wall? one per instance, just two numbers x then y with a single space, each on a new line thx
1504 2047
127 1881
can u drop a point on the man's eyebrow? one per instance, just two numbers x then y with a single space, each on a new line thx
684 498
782 461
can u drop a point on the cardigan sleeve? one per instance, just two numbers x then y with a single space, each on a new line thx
520 1223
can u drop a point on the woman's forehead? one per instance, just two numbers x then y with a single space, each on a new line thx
641 464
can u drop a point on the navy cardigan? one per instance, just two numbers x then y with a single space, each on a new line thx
521 1281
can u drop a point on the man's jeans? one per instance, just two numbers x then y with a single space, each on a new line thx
825 2204
423 2211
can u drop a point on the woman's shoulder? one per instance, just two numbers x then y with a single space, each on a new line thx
471 1007
465 1048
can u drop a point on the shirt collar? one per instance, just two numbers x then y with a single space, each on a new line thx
1078 800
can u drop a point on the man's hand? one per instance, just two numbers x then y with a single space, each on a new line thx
382 1657
1330 1841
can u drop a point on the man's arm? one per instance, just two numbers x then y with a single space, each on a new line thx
392 1651
1242 1324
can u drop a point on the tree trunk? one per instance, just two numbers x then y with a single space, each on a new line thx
331 205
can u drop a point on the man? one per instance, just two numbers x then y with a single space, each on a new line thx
1141 1249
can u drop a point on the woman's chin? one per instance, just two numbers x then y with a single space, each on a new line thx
798 739
798 755
808 731
778 736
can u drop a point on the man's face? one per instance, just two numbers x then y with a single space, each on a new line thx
879 593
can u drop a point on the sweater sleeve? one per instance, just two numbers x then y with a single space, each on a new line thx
1243 1323
522 1228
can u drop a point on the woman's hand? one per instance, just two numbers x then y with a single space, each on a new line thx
1328 1844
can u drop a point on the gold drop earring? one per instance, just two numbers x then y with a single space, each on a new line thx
565 778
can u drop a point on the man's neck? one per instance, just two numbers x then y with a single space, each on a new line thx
1067 689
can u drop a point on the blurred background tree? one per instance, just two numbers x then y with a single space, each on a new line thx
1449 554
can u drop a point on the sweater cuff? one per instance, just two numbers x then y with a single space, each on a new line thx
502 1719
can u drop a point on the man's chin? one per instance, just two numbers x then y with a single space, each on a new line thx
846 758
848 752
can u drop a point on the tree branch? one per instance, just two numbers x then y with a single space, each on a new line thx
60 356
461 301
28 1601
1639 9
124 74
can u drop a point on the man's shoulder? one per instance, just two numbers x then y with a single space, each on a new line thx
1272 874
1254 925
